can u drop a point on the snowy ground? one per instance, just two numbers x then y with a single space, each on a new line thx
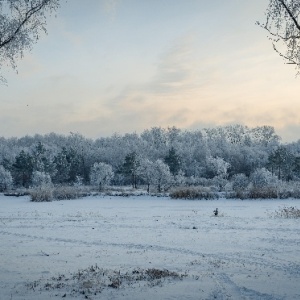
147 248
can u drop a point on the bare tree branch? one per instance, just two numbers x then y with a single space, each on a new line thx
290 14
27 17
283 27
21 23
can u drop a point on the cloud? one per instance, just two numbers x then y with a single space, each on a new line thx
174 70
192 85
190 89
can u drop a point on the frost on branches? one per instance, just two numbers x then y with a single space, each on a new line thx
262 178
6 180
21 24
283 26
101 175
41 179
155 173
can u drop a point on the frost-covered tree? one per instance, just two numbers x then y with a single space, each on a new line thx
296 167
281 162
162 176
217 166
262 177
157 144
23 168
6 180
173 161
75 161
239 182
204 155
63 167
146 172
41 179
180 179
101 175
21 24
81 156
283 25
130 167
42 159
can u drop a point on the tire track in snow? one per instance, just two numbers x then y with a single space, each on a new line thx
228 289
277 264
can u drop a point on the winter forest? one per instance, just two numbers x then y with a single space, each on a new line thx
230 158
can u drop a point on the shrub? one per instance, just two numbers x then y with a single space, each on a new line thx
262 192
218 182
5 179
296 192
201 181
41 194
263 178
288 190
41 179
237 194
193 193
45 193
239 182
66 193
284 191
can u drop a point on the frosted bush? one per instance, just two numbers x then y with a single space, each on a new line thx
263 178
218 182
217 166
265 192
288 190
101 175
296 190
192 193
179 179
6 180
239 182
78 181
162 177
66 193
41 194
40 179
239 185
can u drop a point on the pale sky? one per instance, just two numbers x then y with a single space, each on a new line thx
123 66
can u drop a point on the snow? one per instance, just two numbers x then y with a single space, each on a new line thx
244 253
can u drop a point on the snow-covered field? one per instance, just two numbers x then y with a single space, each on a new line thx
148 248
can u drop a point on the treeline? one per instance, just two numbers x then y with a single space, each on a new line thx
160 157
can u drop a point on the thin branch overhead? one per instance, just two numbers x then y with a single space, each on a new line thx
21 24
283 26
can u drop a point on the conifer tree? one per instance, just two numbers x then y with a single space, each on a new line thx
173 161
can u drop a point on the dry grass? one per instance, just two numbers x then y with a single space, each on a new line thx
263 193
288 213
193 193
93 280
66 193
46 193
41 194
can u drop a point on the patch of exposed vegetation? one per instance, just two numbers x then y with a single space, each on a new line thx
94 280
288 213
193 193
49 193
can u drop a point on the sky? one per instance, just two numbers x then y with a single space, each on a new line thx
123 66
